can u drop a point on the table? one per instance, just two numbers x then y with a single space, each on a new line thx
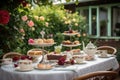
8 72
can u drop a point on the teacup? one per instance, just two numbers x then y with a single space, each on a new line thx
103 53
79 59
7 61
58 49
25 64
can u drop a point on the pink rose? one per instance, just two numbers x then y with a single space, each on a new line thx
4 17
30 23
22 30
24 18
30 41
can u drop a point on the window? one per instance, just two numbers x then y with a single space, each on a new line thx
116 21
103 20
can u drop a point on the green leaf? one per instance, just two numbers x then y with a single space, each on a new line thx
67 0
77 2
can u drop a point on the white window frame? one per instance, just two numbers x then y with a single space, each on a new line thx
109 31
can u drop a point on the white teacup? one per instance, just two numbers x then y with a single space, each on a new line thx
7 61
79 59
103 53
25 64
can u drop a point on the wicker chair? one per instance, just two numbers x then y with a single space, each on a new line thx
11 55
110 49
99 75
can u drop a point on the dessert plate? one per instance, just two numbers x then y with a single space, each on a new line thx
23 70
71 45
90 59
42 44
83 62
43 68
108 55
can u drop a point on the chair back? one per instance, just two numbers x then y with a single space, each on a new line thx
99 75
110 49
11 55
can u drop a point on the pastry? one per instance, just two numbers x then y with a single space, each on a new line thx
67 42
76 51
44 66
70 32
35 53
76 42
49 41
39 41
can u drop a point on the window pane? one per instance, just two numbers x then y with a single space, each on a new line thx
103 21
94 15
116 21
85 13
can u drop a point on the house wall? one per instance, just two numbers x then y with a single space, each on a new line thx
73 7
110 42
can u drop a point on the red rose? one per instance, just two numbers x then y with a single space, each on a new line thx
4 17
16 58
61 61
23 2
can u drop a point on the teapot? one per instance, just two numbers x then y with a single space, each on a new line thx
90 48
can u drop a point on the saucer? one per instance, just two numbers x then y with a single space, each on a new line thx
43 68
83 62
6 63
103 56
23 70
108 55
90 59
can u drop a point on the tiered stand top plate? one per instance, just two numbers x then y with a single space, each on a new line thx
42 44
70 34
70 45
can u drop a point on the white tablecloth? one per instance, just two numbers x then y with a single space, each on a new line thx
8 72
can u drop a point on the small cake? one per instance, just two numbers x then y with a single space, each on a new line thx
25 64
